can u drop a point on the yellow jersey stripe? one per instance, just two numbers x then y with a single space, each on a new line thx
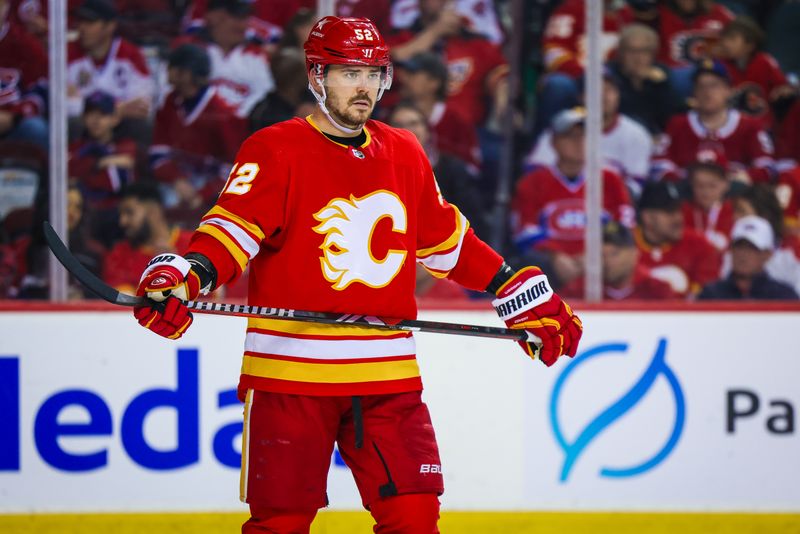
340 373
250 227
310 329
450 242
238 255
248 402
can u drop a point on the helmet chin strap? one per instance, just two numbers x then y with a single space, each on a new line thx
321 102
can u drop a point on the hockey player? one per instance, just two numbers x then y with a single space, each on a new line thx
331 212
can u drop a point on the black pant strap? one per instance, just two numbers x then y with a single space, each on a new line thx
358 422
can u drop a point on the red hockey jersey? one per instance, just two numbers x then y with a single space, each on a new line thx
549 212
23 66
474 66
328 227
197 143
124 264
564 41
685 41
687 265
715 224
747 146
643 286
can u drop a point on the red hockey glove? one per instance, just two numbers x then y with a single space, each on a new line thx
527 301
167 281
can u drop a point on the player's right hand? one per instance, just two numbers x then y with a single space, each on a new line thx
167 281
526 301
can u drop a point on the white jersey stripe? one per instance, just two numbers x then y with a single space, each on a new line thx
446 262
327 349
248 244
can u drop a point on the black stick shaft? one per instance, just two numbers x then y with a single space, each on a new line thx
109 294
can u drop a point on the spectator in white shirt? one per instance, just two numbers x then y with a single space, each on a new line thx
101 61
626 145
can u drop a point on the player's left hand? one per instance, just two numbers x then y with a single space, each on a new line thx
526 301
167 281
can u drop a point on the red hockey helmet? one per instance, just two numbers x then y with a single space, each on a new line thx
347 41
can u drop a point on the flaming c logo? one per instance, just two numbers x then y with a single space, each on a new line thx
348 226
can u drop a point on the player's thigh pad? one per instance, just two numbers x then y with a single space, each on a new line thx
399 453
287 445
413 513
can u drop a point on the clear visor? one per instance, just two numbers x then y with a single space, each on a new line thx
357 76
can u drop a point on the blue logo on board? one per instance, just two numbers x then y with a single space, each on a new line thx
658 367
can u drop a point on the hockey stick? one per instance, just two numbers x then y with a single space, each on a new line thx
109 294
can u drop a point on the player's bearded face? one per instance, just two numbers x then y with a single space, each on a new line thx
351 94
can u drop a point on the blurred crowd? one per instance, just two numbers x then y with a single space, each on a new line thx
700 140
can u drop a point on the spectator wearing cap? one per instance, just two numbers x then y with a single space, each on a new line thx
760 200
24 84
626 146
196 135
147 232
477 69
646 94
99 60
752 245
100 163
424 80
240 69
708 211
675 254
548 207
624 278
748 147
756 77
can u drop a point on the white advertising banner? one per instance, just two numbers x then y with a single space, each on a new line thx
659 411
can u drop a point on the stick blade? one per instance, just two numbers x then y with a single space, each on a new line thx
82 274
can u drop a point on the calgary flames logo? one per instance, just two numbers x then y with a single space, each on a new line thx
348 226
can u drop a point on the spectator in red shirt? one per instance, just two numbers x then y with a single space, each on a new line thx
424 82
147 232
264 21
476 67
674 254
748 147
99 164
624 278
689 31
757 78
196 133
709 212
23 88
548 206
787 138
564 48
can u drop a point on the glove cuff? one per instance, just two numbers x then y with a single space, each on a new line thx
524 291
